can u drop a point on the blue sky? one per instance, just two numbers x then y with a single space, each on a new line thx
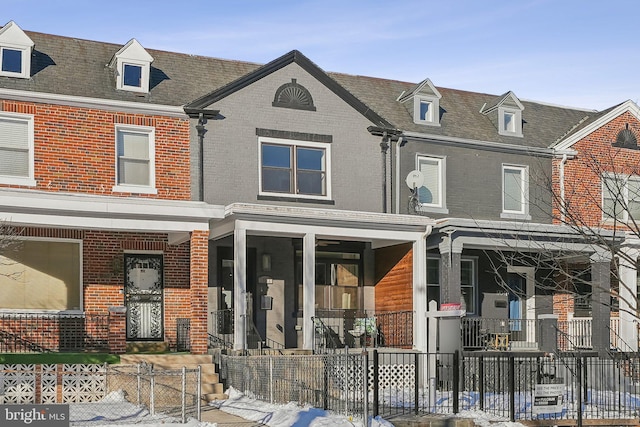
580 53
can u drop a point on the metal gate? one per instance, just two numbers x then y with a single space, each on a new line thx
144 296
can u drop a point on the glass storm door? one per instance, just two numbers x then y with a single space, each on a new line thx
144 297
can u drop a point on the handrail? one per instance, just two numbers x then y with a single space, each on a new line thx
325 333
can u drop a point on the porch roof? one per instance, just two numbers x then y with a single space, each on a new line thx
512 235
270 220
34 208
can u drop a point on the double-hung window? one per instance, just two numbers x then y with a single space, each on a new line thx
621 197
515 192
431 195
16 149
294 168
135 159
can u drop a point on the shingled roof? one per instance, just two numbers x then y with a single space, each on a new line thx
70 66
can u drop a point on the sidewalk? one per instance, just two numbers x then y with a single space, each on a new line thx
224 419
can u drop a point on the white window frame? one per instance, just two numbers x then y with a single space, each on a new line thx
523 212
25 63
28 180
517 121
132 188
434 111
294 144
144 77
625 194
440 206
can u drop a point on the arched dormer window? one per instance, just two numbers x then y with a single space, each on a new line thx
293 95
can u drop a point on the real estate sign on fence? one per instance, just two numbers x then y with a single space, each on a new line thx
548 399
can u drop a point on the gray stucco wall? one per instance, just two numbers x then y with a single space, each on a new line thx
231 152
473 186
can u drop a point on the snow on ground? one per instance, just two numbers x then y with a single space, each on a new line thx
239 404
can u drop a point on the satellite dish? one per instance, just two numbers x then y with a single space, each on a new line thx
415 179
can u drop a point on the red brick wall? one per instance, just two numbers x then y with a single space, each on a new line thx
75 149
394 278
582 175
103 272
199 290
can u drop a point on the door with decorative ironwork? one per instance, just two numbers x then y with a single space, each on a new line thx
144 296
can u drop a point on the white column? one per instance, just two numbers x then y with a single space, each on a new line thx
628 303
308 290
240 289
420 329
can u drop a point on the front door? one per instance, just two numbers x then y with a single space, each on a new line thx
144 297
517 289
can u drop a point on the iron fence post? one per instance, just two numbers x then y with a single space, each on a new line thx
416 384
579 388
456 382
366 384
512 389
481 381
376 382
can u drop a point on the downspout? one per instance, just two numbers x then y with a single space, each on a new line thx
399 143
202 120
384 148
202 115
562 195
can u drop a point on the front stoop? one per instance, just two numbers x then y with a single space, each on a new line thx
147 347
210 387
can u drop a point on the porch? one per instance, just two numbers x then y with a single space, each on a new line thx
336 329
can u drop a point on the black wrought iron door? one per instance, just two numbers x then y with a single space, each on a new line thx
144 296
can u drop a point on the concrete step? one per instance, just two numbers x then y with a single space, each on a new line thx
214 396
210 387
147 347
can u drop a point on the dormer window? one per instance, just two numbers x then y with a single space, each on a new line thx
132 64
510 122
426 109
132 75
11 60
506 114
426 103
15 52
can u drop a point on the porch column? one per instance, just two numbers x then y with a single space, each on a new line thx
600 302
239 289
198 279
308 290
420 303
450 254
628 291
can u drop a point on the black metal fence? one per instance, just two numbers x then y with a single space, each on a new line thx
510 386
57 332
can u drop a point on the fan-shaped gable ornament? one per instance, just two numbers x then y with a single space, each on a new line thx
626 139
293 95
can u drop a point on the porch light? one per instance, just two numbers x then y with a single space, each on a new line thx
266 262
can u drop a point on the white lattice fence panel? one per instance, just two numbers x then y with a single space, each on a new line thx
401 376
347 376
83 383
48 384
17 384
